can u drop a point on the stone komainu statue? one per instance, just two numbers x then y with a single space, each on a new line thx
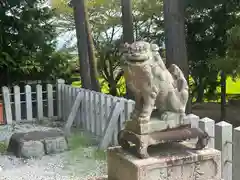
152 83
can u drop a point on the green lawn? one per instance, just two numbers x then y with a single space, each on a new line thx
232 87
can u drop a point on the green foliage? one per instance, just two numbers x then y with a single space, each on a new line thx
207 25
105 21
27 42
3 147
212 39
121 88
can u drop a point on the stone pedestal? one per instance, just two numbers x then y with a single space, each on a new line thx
167 162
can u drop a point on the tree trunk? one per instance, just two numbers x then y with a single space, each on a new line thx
79 17
91 55
127 21
176 51
222 53
174 21
223 96
200 91
128 35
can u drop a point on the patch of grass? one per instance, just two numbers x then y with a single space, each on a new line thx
79 139
100 155
232 87
3 147
78 144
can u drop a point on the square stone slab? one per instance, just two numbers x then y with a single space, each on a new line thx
168 161
37 143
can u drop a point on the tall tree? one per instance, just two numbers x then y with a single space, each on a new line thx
91 55
128 36
174 20
82 44
127 21
176 51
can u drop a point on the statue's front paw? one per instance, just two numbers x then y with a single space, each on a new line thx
164 116
134 115
143 119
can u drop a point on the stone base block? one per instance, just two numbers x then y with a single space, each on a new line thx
156 123
152 126
168 161
37 143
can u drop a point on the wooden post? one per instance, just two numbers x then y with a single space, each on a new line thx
236 157
96 114
84 110
208 125
194 120
90 111
17 103
112 119
101 113
50 100
60 82
39 102
86 102
73 113
223 142
28 95
122 115
65 102
7 105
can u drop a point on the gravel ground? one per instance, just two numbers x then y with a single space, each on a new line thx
78 164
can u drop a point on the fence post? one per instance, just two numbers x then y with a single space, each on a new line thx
223 142
50 100
101 113
7 104
192 119
39 102
17 103
73 113
28 95
236 159
112 123
208 125
60 82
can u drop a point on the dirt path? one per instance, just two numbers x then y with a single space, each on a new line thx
76 165
83 161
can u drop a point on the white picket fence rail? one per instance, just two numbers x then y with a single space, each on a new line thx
28 106
104 115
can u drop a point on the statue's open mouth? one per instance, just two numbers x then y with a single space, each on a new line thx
135 58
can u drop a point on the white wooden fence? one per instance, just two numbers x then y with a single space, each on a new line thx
104 115
100 114
28 105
